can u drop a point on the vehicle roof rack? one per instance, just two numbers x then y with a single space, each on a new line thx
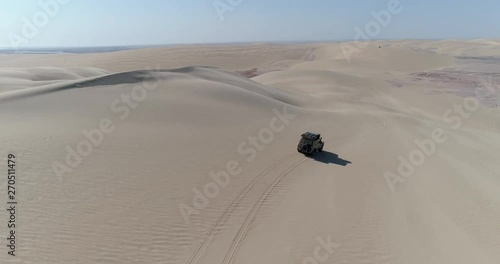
311 135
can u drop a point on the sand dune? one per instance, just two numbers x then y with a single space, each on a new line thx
19 78
169 156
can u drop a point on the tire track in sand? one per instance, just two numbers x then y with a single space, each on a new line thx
236 244
205 243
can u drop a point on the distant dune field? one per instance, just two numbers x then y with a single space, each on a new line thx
174 155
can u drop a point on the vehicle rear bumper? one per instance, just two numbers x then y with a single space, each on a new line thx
303 151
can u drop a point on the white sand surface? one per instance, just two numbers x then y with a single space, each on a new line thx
163 119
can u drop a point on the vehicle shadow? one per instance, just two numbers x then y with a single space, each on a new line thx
330 158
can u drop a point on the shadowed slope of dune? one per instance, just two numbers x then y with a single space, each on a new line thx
142 78
19 78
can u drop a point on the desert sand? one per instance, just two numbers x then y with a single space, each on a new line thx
173 155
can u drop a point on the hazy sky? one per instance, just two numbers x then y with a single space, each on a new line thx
27 23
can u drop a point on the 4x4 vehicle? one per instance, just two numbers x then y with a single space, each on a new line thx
310 144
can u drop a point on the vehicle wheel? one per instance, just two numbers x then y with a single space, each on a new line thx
313 153
321 149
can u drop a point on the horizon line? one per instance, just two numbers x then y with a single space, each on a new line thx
232 43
